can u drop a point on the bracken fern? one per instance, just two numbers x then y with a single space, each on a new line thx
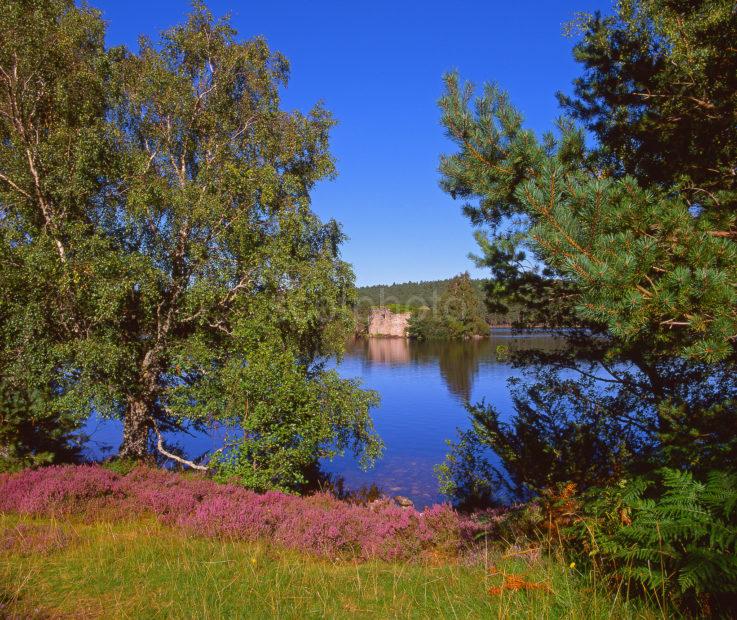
676 539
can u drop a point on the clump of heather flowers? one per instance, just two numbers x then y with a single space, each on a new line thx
319 524
38 491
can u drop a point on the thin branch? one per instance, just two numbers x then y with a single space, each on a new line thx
169 455
16 187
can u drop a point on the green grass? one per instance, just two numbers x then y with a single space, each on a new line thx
142 569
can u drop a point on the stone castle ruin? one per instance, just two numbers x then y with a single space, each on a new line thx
385 323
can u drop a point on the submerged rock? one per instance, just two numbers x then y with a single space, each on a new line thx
404 502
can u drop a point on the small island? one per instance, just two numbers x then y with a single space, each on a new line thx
447 310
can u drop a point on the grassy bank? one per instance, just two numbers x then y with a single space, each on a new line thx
86 542
141 568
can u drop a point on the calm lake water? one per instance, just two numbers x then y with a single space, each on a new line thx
423 387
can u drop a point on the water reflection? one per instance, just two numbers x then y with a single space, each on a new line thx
459 365
424 387
458 362
384 350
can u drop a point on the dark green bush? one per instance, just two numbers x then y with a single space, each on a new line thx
33 433
674 537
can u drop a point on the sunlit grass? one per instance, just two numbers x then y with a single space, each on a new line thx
141 569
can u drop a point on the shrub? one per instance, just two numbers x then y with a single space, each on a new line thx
676 539
32 432
39 491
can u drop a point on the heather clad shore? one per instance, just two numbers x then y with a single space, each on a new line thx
318 524
87 542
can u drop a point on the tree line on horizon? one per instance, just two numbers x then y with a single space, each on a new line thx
432 295
412 294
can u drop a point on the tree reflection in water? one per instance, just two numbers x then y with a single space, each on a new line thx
458 361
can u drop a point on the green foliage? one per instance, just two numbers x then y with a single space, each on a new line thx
630 259
409 294
562 431
466 476
659 91
647 257
399 308
54 161
675 538
158 240
639 275
629 250
32 433
458 315
290 419
420 296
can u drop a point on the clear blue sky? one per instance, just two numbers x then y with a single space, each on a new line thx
378 67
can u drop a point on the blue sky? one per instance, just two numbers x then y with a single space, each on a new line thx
378 67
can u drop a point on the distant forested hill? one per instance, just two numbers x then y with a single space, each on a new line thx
413 294
406 296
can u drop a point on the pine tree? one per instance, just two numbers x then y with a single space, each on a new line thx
458 315
636 275
462 308
659 91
